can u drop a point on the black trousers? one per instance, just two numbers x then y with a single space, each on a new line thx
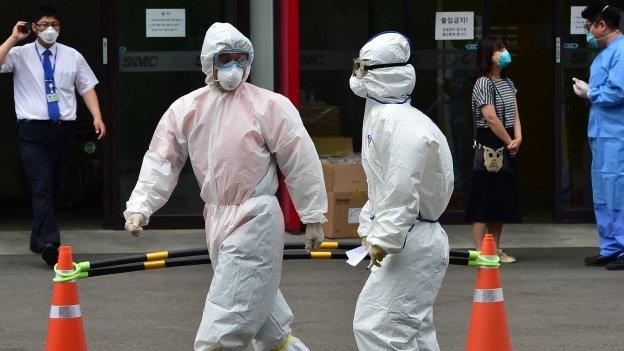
46 150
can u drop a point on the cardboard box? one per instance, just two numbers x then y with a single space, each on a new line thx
333 146
346 195
344 178
343 214
321 120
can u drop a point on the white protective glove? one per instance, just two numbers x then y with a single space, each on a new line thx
134 223
581 88
314 236
376 253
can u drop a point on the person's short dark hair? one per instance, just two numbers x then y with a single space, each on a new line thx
601 11
47 11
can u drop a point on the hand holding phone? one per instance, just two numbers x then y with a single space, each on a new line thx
26 27
21 31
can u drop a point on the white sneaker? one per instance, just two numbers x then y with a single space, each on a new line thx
505 258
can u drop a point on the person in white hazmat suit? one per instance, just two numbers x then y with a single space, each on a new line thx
235 134
409 169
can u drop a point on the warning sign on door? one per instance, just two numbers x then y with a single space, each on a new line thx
577 22
165 23
454 26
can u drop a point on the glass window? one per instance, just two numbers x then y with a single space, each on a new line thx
332 32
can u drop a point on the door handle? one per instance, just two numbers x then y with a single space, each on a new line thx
105 51
558 50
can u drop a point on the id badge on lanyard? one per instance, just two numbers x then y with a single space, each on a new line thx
51 94
53 97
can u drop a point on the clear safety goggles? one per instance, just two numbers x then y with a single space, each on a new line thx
230 58
362 66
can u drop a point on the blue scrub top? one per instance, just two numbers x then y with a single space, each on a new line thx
606 94
606 125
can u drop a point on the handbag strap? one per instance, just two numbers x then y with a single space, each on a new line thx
474 124
504 115
502 99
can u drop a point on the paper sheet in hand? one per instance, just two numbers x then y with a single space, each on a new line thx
356 255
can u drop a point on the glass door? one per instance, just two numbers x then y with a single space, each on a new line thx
527 27
443 91
80 202
443 70
573 196
157 48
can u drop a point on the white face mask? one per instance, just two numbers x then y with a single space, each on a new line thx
230 79
358 87
49 35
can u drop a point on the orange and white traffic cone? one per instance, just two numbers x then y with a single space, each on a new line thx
488 329
65 328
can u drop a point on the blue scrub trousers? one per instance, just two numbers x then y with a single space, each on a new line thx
611 231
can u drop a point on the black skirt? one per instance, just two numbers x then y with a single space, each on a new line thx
494 197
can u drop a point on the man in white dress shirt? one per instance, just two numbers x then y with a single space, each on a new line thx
46 75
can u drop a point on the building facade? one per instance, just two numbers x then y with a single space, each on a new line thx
146 54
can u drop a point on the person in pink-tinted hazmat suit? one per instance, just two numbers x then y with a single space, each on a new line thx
236 135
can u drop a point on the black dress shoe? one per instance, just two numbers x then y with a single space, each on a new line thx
617 265
50 254
599 260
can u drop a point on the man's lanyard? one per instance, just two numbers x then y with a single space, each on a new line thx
52 98
47 79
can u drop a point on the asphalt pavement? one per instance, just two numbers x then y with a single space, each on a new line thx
553 303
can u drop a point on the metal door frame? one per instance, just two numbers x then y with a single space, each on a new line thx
110 110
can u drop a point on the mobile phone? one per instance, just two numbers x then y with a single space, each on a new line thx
26 27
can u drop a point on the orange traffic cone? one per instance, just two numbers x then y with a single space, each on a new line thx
65 330
488 329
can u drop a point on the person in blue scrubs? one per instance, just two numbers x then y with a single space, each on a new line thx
605 94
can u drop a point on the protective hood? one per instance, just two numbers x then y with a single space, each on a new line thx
222 36
391 84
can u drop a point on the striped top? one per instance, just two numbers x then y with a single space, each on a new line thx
502 94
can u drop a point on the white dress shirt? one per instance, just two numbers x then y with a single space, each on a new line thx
71 73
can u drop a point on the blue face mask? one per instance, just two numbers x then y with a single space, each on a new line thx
504 59
593 43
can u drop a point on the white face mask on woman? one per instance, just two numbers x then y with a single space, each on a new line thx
49 35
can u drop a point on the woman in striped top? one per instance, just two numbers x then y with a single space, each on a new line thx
494 197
